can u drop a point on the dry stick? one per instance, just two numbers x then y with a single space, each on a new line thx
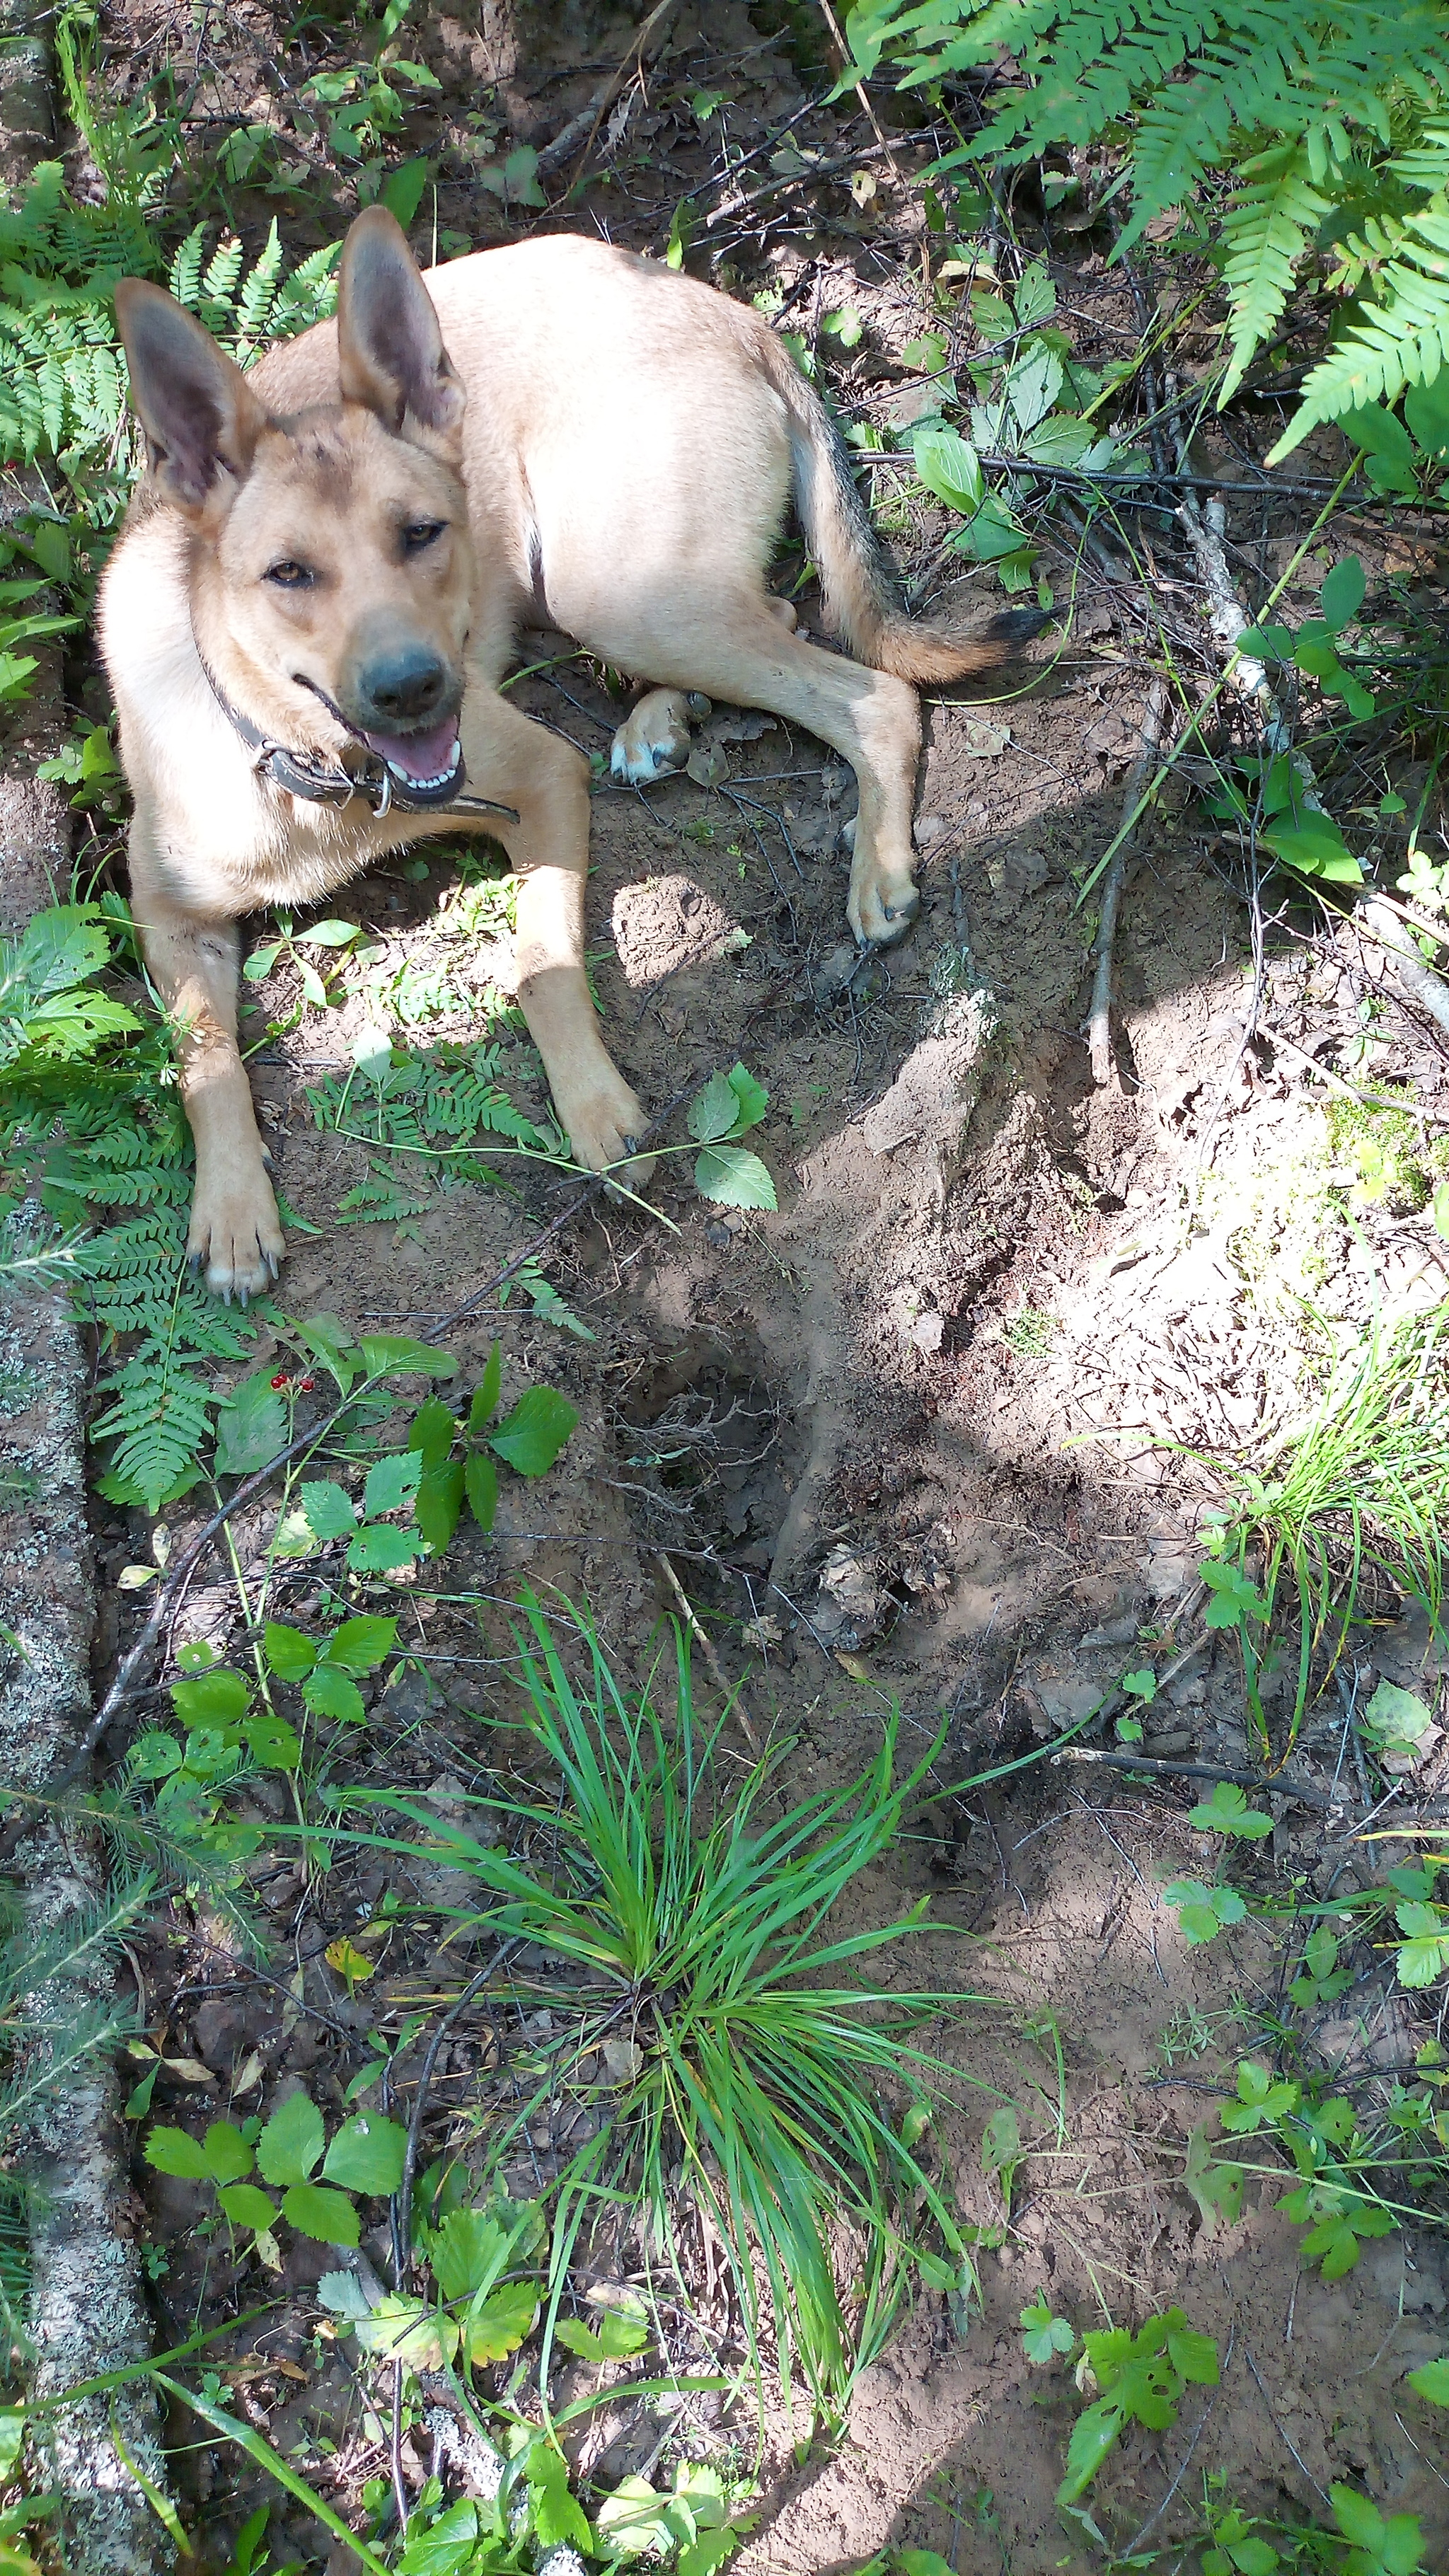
877 129
1099 1024
733 1699
592 116
1129 1761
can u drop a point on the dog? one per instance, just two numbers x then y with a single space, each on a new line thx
316 593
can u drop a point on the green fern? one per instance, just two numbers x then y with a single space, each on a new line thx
1329 121
1265 232
426 1111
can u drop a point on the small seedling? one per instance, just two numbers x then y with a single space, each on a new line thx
727 1108
1143 2378
365 2156
1203 1912
1001 2149
1320 1979
1044 2336
1227 1812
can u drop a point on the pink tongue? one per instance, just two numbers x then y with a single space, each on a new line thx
419 755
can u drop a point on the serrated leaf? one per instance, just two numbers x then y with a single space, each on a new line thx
251 1426
217 1699
271 1741
439 1503
349 1962
329 1692
392 1482
733 1177
751 1098
330 1512
496 2325
228 2157
397 1355
433 1430
326 2216
480 1481
291 2142
379 1549
289 1653
557 2519
245 2206
532 1435
616 2338
713 1111
175 2152
367 2155
485 1394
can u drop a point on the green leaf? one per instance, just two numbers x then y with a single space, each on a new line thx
535 1431
1227 1812
616 2338
392 1482
289 1653
1001 2139
439 1503
1432 2381
218 1699
245 2206
1216 2184
1426 409
496 2325
396 1355
446 2546
251 1426
949 468
751 1098
1396 1716
632 2520
291 2143
1193 2356
1093 2435
403 2329
327 2216
329 1692
367 2155
271 1741
172 2151
1234 1597
361 1644
469 2252
330 1512
485 1394
333 934
228 2157
480 1481
381 1550
153 1756
1341 596
557 2519
713 1111
433 1430
732 1177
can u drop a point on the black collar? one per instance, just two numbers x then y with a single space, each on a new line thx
322 782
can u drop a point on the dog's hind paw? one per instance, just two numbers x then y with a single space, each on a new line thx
236 1237
655 741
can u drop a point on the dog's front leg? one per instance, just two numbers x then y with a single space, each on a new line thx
235 1231
548 784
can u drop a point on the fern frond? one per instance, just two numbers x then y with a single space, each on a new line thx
159 1420
71 1947
1401 340
185 278
1265 233
219 283
86 2032
254 304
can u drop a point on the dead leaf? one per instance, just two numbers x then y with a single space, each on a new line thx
982 741
189 2069
248 2075
864 186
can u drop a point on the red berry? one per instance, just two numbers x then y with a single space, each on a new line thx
279 1381
306 1384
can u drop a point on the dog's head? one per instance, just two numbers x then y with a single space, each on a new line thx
333 571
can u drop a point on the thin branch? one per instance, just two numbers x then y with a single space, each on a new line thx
1099 1024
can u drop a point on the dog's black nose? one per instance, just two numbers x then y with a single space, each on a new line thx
407 688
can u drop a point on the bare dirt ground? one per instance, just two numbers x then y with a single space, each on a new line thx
903 1441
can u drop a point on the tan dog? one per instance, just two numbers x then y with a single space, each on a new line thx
317 591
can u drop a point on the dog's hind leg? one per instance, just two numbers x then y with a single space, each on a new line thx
745 653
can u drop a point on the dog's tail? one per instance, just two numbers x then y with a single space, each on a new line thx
862 604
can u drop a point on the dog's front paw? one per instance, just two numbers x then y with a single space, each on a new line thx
604 1124
236 1234
882 903
655 741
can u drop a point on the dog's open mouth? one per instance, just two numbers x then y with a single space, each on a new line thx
424 761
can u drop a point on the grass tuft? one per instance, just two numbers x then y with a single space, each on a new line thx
782 2101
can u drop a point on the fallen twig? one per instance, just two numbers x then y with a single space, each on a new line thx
1099 1024
734 1698
590 118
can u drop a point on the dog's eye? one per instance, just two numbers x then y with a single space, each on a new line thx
422 532
290 575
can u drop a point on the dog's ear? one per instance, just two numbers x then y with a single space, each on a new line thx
389 347
201 418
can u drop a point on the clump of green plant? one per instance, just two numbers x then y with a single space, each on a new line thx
1143 2378
1360 1484
761 2085
1366 2542
1328 123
